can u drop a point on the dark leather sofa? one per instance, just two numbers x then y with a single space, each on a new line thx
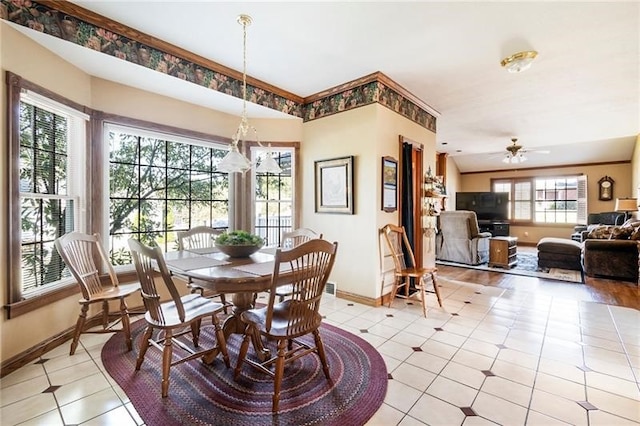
611 258
612 251
604 218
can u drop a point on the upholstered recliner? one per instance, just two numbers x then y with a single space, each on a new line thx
459 238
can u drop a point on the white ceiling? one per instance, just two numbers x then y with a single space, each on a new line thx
580 100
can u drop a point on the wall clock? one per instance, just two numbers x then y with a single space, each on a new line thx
605 189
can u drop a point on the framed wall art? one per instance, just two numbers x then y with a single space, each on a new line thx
389 184
334 185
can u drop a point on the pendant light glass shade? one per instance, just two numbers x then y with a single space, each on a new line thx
268 165
234 161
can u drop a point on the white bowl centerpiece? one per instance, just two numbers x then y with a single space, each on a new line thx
239 243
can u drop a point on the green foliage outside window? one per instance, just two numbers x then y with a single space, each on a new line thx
45 213
158 187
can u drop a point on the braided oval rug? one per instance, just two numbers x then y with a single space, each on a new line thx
201 394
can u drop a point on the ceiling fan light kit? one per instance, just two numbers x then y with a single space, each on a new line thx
514 155
520 61
514 159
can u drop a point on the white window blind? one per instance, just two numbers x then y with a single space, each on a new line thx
52 184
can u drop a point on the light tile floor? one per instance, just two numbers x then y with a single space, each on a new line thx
489 356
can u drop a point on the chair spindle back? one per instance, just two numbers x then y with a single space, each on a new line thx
399 247
147 261
198 237
298 236
78 251
310 264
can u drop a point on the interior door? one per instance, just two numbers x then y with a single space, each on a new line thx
411 171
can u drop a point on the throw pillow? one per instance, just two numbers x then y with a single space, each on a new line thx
636 234
631 223
600 232
621 232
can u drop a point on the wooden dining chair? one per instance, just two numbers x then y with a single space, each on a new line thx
200 238
174 318
310 265
80 251
298 236
290 240
405 266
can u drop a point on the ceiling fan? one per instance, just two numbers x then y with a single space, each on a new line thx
515 152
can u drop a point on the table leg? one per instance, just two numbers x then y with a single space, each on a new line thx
234 325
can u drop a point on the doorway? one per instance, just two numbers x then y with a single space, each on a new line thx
410 205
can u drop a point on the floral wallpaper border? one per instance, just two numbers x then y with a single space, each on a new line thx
48 20
368 93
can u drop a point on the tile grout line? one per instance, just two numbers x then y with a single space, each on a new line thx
450 360
624 347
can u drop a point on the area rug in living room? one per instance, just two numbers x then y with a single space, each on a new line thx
527 266
208 395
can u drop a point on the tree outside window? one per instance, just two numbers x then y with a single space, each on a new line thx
159 187
49 197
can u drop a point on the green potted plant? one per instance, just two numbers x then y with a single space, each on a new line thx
239 243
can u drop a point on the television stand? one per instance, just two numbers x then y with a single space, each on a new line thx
496 227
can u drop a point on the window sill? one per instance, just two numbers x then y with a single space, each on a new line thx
542 224
31 304
125 274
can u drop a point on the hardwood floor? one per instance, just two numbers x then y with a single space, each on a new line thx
610 292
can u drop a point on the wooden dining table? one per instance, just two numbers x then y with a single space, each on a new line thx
239 277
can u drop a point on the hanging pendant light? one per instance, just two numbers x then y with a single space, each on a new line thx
235 161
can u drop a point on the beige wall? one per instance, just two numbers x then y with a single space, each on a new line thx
40 66
635 170
107 96
368 133
454 183
341 135
620 173
389 127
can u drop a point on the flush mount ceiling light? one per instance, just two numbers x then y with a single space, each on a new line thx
520 61
234 161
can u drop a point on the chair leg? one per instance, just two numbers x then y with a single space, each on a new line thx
144 345
321 353
195 332
394 291
423 298
105 314
79 327
243 350
222 342
126 328
223 299
279 373
436 289
167 352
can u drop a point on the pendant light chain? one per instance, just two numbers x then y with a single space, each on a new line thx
235 161
244 68
244 121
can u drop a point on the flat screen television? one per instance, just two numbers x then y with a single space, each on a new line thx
489 206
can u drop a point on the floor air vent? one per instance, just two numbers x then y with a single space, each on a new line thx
330 288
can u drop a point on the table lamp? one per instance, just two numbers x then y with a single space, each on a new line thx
626 205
